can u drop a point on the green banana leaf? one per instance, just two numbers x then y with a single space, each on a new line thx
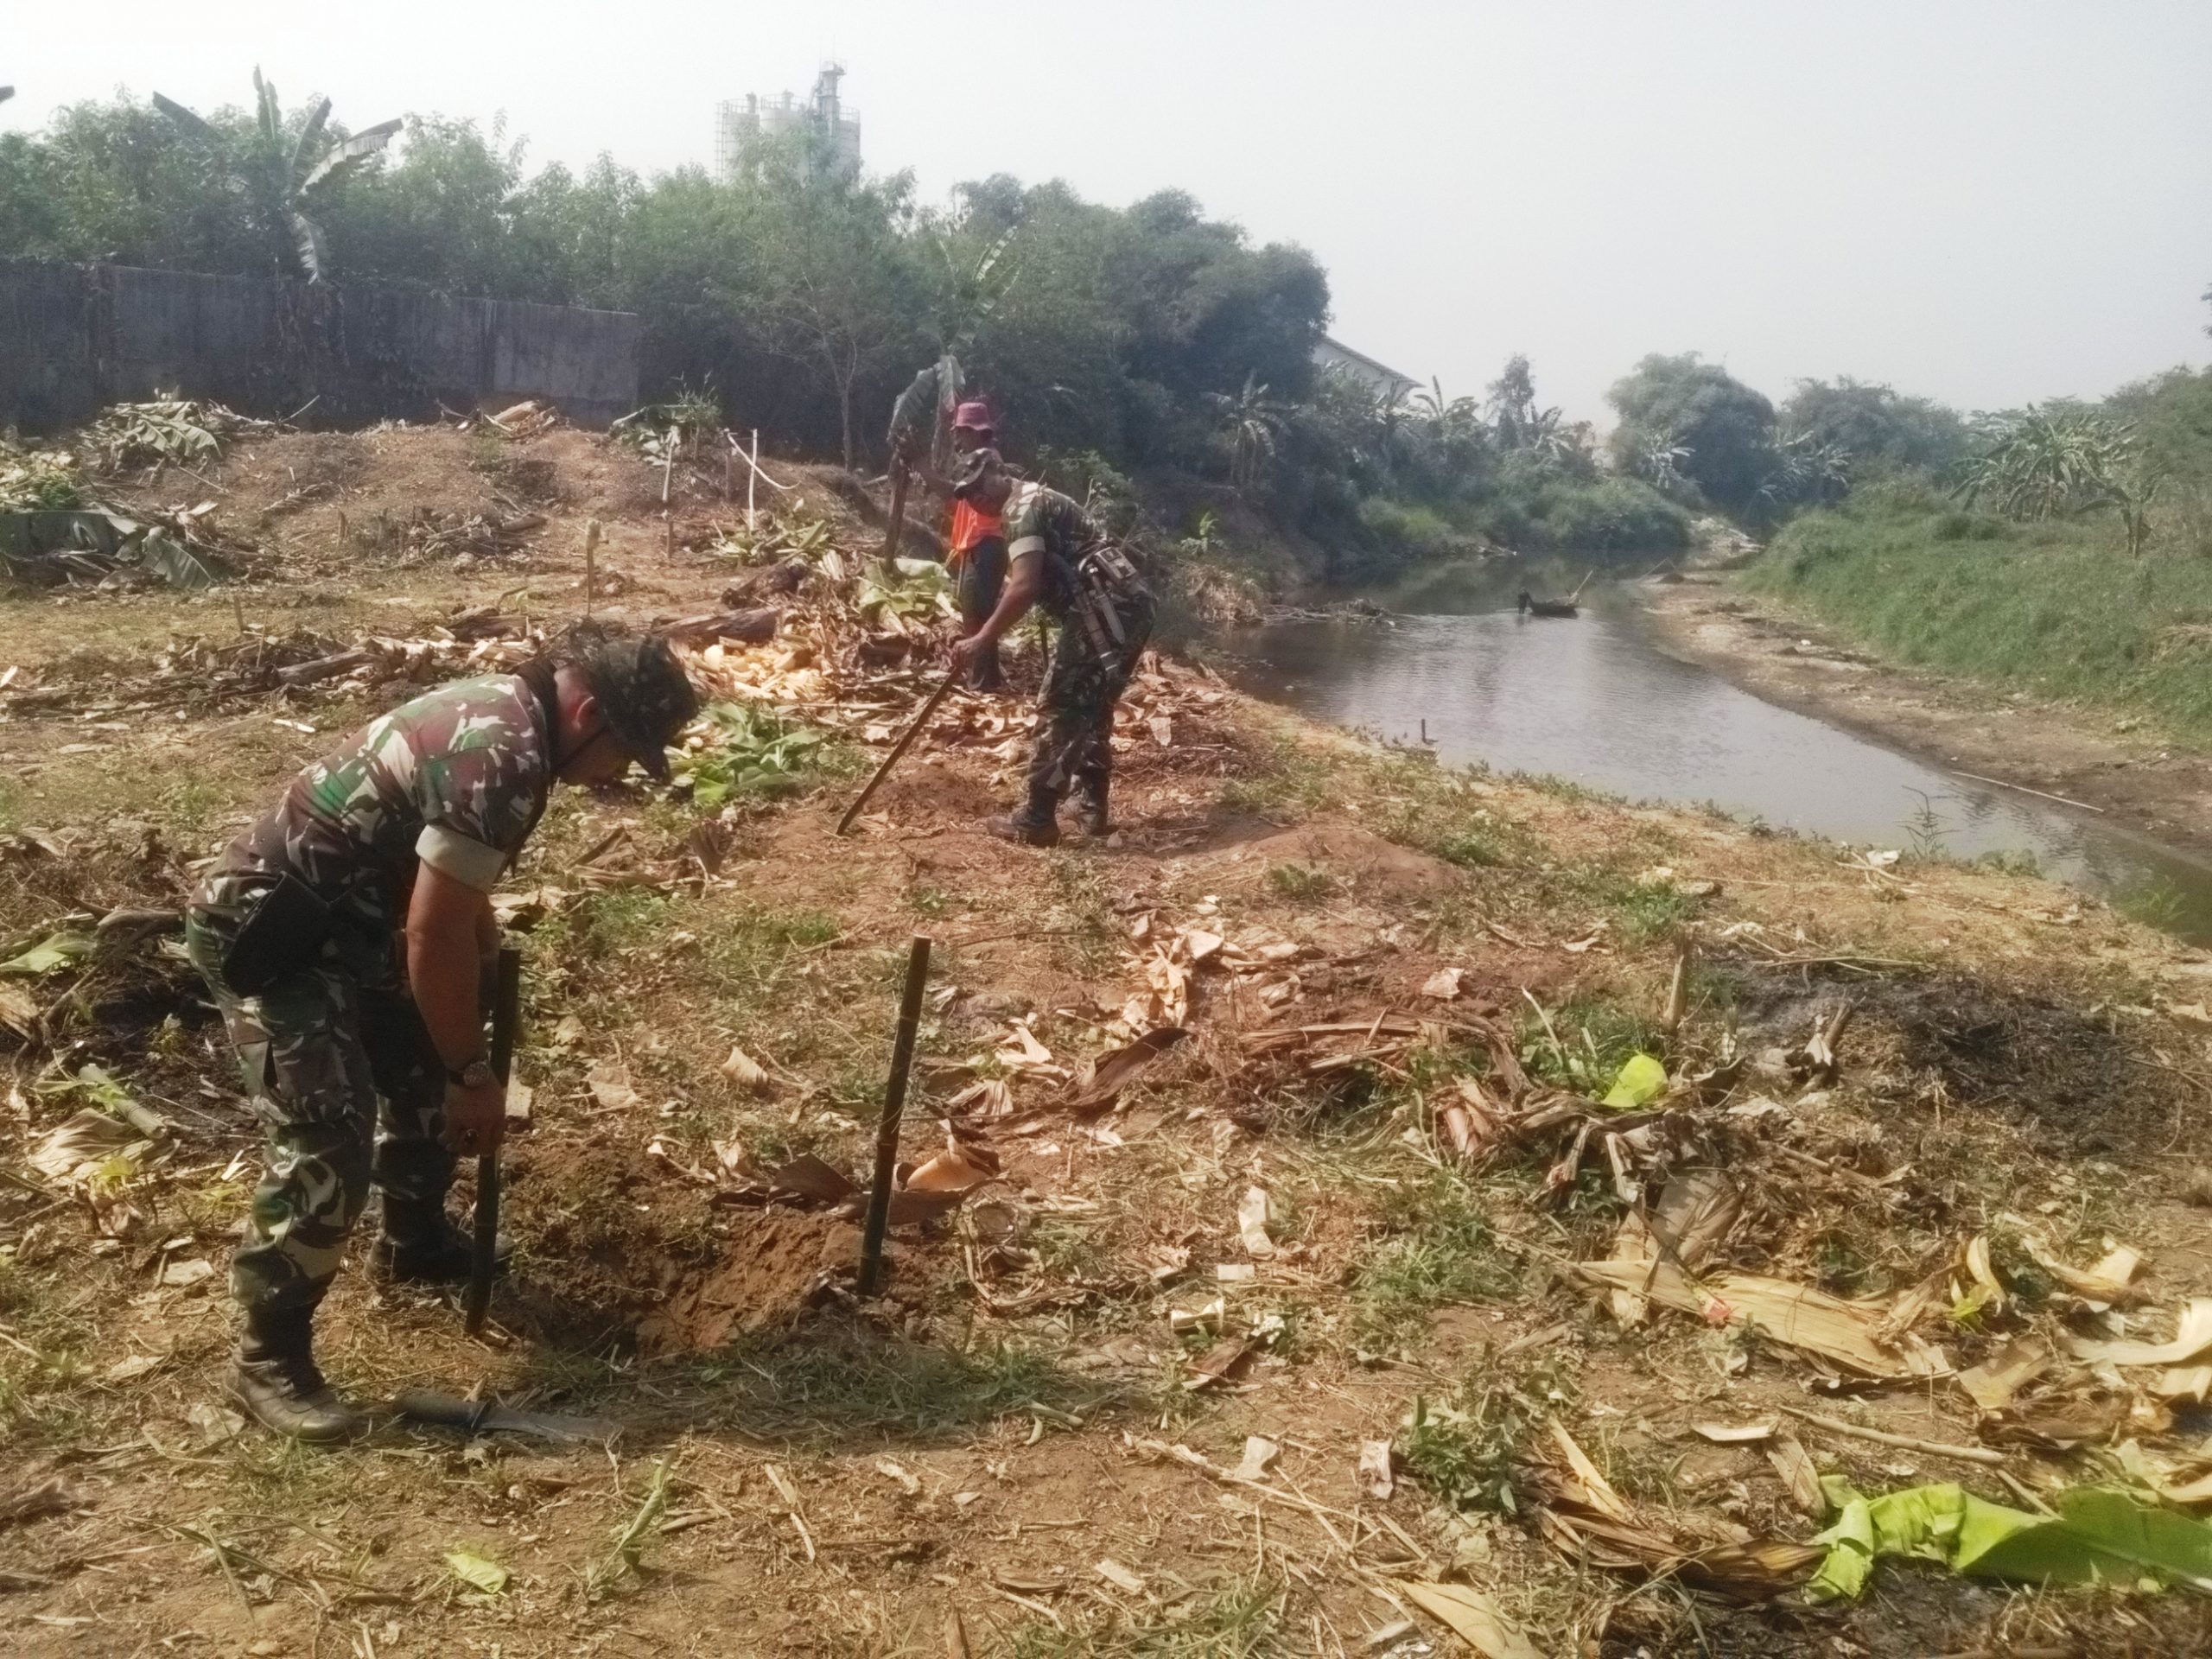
2098 1536
1641 1081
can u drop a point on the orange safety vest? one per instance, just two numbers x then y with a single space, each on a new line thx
970 525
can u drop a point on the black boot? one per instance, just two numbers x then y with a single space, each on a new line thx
1090 815
277 1380
420 1245
1035 825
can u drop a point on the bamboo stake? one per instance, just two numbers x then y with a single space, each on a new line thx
2040 794
894 1106
506 1024
898 749
897 513
1907 1442
1678 999
591 568
752 478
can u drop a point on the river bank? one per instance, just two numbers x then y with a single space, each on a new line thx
1271 1291
2114 764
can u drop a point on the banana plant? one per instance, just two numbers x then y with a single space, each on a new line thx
2053 462
1253 421
282 176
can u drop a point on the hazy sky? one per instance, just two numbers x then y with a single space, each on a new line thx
1987 203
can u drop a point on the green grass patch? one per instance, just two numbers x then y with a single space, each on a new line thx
1284 778
1637 912
1593 1041
1298 883
1436 1246
2056 609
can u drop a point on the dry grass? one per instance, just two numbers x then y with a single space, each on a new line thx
838 1479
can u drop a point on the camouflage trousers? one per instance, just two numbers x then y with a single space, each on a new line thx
343 1076
1074 715
978 581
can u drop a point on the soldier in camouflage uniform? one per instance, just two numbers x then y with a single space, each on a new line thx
344 936
1063 562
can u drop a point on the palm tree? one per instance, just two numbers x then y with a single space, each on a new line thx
280 178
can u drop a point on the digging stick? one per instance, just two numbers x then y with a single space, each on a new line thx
905 742
506 1022
894 1104
897 525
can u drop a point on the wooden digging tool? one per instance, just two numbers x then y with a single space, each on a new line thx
897 527
894 1105
905 742
506 1022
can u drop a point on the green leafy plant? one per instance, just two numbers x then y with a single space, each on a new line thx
1466 1448
753 754
2051 463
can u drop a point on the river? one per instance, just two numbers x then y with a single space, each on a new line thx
1597 700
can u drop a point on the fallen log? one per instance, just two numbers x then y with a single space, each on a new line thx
746 627
323 667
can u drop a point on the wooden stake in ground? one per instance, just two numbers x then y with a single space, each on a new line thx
507 1023
591 566
752 479
894 1106
1678 990
905 742
897 525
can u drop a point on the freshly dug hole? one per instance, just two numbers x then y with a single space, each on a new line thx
624 1253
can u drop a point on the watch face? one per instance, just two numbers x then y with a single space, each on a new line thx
475 1074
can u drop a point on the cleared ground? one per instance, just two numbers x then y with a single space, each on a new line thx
1037 1429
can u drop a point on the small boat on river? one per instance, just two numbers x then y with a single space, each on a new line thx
1548 607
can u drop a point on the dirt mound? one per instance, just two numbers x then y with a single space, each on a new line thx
1372 867
773 1268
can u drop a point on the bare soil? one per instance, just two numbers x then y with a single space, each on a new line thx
801 1472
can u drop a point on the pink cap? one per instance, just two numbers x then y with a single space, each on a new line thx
973 417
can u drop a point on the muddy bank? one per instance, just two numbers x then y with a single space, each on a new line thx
2124 771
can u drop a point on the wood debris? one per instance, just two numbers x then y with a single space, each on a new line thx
1795 1316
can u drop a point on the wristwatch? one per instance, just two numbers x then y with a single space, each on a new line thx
475 1075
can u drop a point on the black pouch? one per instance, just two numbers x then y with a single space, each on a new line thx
282 935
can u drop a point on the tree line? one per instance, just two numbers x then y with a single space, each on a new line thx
1148 342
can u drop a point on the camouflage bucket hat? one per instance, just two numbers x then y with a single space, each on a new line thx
979 466
644 694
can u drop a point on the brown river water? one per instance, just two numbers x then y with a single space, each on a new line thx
1598 702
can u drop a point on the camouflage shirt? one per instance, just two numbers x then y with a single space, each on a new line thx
1041 520
456 778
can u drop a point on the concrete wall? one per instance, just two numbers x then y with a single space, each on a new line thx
74 338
